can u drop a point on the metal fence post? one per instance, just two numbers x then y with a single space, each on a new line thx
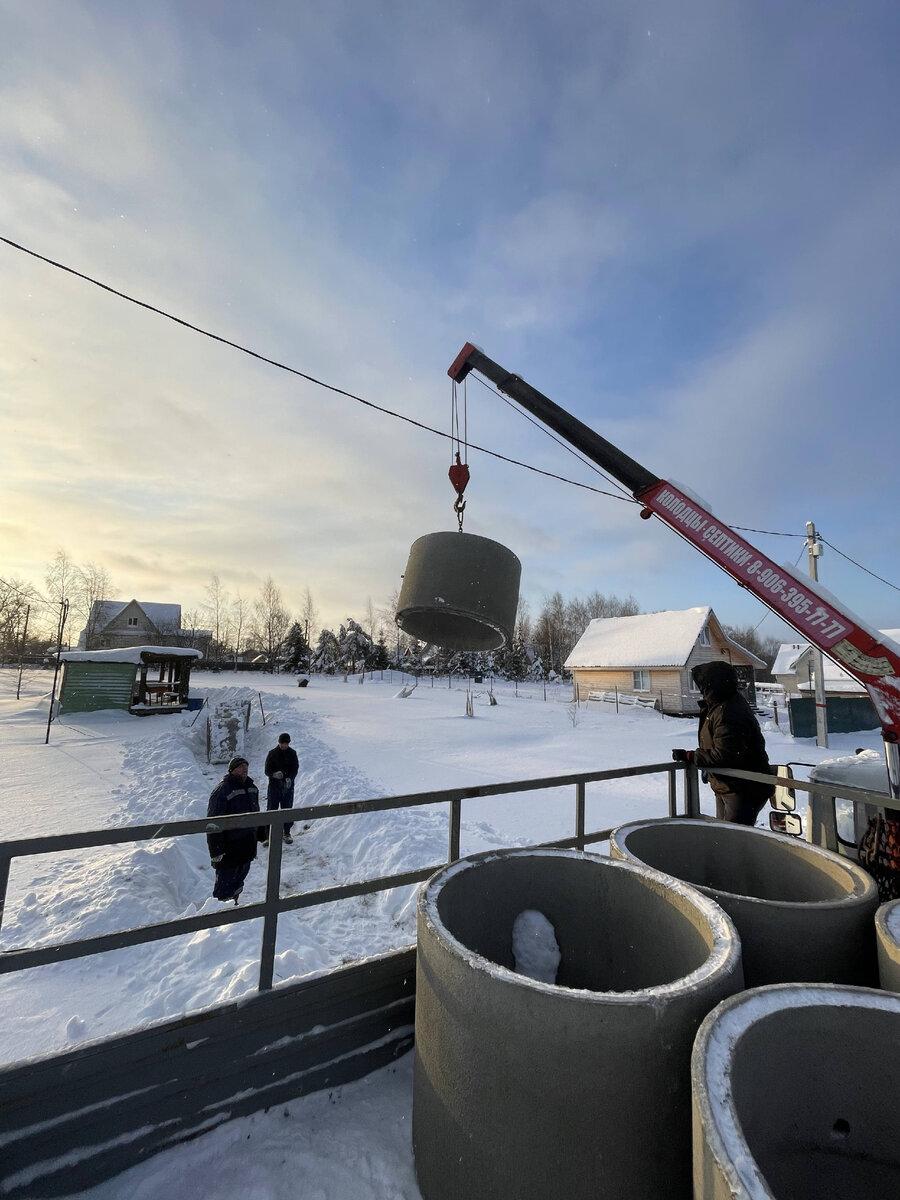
673 791
4 880
579 813
691 791
455 822
270 920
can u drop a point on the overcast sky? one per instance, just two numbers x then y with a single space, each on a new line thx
680 221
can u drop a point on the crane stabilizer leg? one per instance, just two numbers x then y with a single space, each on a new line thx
835 631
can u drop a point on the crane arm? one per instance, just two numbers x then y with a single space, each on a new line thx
820 621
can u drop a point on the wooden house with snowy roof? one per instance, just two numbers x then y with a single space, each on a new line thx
649 658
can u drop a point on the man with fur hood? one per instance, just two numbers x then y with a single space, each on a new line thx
729 736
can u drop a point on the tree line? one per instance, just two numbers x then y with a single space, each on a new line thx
228 626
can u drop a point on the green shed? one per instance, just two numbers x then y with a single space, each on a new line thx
139 679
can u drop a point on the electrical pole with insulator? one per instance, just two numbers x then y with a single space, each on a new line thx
814 546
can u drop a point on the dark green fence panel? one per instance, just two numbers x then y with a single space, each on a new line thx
843 714
92 685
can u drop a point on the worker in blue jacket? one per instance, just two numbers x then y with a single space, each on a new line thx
231 851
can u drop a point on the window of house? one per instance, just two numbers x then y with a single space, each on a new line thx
640 681
132 620
694 687
703 639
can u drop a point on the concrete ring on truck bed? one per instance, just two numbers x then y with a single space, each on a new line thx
578 1087
803 913
887 932
795 1095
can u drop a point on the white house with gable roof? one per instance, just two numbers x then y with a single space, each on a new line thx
794 669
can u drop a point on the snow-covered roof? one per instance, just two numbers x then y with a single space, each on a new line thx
786 658
663 639
163 616
130 654
835 687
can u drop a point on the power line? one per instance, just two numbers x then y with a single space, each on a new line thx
767 532
272 362
387 411
586 462
857 564
30 597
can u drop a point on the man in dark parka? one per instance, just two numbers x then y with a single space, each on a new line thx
729 736
231 851
282 766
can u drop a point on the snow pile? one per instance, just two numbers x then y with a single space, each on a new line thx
349 1143
535 948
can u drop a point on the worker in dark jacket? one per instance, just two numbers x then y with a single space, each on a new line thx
281 770
231 851
729 736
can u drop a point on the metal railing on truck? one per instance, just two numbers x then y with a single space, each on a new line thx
822 829
274 904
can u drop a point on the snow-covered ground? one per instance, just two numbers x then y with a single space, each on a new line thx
354 741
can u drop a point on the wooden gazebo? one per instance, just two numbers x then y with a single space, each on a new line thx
141 679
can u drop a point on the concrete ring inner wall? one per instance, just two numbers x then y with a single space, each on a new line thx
796 1095
803 913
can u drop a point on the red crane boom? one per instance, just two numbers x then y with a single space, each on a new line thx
823 622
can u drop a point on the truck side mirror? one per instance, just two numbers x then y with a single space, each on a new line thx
786 822
784 799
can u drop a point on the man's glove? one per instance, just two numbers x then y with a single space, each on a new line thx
215 861
278 775
685 756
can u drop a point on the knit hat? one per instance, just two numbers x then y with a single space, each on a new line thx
284 737
236 762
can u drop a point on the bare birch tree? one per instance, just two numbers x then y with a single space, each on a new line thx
217 606
271 619
309 618
240 615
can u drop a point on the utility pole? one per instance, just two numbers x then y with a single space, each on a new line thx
814 546
22 650
61 628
